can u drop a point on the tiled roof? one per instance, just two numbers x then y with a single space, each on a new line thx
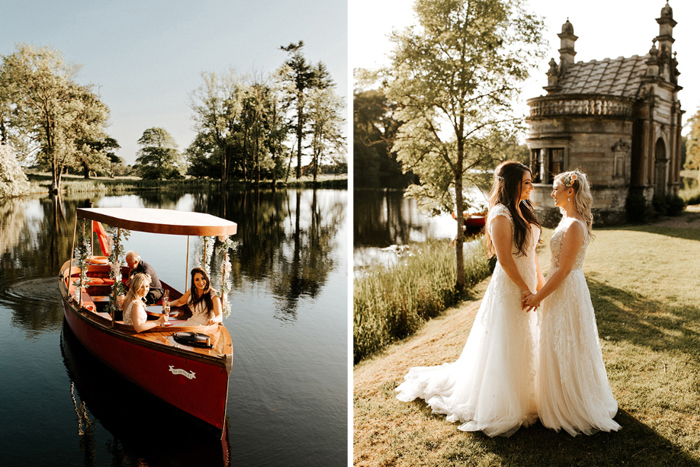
612 77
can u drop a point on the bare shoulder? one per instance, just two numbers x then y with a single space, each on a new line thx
575 232
500 224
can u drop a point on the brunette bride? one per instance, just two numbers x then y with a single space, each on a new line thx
573 392
490 388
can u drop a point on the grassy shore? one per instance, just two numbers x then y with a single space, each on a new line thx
40 183
645 287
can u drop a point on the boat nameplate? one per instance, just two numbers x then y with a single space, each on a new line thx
179 371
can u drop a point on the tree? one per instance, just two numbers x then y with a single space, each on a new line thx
302 76
158 157
97 155
692 143
217 106
326 134
454 76
51 114
374 130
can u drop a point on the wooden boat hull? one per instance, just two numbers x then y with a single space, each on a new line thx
194 383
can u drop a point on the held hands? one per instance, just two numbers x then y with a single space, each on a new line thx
530 301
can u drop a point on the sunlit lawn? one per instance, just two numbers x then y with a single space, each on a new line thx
645 287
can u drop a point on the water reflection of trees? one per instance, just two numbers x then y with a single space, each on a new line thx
286 238
303 271
379 219
36 235
161 199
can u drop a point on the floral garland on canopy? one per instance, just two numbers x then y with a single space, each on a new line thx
208 249
116 258
83 250
222 250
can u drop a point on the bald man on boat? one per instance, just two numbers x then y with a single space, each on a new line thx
137 265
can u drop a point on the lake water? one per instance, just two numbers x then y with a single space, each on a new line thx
383 218
287 401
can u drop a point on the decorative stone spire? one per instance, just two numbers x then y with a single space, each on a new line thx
666 25
653 61
553 77
566 51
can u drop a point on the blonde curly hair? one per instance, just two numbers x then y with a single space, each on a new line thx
583 199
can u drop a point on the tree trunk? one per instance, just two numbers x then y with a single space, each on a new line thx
55 176
224 163
300 133
459 209
274 169
3 132
257 160
245 156
315 163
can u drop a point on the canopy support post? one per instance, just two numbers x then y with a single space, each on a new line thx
187 262
115 251
72 249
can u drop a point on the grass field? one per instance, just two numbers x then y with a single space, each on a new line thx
645 287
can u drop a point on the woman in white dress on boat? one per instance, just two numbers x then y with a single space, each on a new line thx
573 392
135 308
202 300
491 387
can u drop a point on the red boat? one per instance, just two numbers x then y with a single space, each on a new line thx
473 221
193 379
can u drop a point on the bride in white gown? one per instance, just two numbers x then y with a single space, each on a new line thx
490 388
573 392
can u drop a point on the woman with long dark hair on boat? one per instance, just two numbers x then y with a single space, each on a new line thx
202 300
135 308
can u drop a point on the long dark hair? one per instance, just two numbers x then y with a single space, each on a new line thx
206 295
506 189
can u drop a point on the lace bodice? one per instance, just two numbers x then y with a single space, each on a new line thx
127 313
558 238
531 241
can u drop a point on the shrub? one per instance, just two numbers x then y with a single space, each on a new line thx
660 205
676 205
690 196
637 209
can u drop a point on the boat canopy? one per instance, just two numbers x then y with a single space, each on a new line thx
161 221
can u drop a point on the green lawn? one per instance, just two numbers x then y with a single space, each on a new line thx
645 287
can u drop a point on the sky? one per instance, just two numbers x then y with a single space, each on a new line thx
605 29
145 57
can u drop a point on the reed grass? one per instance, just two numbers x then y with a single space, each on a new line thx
391 303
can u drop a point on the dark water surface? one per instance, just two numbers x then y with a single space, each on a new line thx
287 401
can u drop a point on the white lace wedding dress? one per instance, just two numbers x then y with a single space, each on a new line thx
490 388
573 392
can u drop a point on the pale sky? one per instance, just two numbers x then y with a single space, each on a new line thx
145 56
605 29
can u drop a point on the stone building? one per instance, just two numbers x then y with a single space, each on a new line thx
617 120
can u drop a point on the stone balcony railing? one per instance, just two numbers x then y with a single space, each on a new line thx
595 106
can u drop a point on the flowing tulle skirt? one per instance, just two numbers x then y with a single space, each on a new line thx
490 388
573 392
